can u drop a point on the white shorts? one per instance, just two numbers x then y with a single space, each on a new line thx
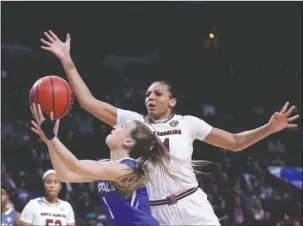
194 209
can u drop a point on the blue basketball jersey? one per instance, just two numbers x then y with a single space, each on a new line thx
134 210
9 218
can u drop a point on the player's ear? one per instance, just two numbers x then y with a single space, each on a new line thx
172 102
129 143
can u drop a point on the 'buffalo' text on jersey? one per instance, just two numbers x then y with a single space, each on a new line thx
132 210
178 134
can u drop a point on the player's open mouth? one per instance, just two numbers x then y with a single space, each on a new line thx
151 106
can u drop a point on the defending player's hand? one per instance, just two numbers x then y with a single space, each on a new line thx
282 120
47 129
55 45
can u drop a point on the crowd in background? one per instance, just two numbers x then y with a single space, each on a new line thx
238 185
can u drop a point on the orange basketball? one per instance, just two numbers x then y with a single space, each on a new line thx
53 94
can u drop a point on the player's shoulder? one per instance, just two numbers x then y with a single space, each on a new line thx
64 203
185 118
129 162
35 202
191 121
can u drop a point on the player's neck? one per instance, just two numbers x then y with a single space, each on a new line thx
4 209
51 199
162 118
118 154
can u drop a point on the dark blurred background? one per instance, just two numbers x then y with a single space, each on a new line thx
233 64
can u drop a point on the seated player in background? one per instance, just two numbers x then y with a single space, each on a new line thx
48 210
9 216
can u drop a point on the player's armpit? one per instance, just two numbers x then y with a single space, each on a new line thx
221 139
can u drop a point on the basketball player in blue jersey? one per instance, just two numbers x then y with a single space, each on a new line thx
9 216
121 180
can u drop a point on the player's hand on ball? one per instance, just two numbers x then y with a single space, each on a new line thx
282 120
55 45
39 118
37 113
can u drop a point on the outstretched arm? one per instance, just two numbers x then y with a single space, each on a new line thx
69 167
239 141
63 172
105 170
87 101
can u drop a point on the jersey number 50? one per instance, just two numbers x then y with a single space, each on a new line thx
51 221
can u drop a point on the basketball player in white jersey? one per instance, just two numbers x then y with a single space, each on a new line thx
171 205
48 210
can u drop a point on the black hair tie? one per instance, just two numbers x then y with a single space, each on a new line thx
47 126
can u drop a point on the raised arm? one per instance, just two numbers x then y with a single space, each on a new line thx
240 141
71 169
65 174
105 170
87 101
100 109
67 166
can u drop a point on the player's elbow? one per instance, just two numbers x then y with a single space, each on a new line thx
236 148
236 144
233 148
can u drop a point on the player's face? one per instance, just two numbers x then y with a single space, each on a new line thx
52 185
158 100
4 197
120 138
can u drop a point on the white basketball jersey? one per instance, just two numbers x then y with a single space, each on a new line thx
40 212
178 135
